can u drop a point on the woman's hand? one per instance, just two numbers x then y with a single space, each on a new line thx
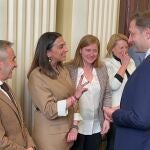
125 59
108 112
106 126
79 91
80 88
72 135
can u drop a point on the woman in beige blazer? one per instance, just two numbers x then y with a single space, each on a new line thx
98 96
53 95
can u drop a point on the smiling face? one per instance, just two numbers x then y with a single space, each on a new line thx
89 53
7 64
137 36
58 51
120 48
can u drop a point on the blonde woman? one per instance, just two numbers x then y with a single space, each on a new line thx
120 66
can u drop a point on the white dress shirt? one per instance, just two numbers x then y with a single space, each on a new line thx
89 105
3 90
147 53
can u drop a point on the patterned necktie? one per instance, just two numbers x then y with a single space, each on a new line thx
5 87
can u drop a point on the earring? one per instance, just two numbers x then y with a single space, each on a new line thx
50 59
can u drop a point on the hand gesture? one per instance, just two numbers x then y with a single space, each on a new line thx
125 59
81 88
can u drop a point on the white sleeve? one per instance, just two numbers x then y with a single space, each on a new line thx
62 108
77 117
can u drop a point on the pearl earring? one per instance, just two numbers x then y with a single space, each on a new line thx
50 59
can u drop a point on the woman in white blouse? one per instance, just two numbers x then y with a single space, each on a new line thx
86 62
120 66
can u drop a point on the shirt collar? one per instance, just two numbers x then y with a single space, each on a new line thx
116 58
147 53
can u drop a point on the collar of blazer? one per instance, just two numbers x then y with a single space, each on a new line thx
14 107
101 73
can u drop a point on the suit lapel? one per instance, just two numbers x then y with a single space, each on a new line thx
100 78
13 106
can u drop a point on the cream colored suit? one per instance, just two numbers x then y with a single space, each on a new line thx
50 130
13 134
116 86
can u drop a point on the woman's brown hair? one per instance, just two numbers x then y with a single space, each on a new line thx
41 60
86 41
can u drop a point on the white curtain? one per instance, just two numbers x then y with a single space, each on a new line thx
22 22
97 17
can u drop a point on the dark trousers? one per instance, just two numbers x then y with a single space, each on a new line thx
87 142
111 137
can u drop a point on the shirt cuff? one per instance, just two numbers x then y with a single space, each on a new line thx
119 77
77 117
62 108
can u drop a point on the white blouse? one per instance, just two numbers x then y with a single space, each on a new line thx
89 105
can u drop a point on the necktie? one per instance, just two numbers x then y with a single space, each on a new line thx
5 87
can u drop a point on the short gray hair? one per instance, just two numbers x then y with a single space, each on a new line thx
3 47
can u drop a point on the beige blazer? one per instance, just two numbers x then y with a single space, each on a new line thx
49 129
13 134
105 98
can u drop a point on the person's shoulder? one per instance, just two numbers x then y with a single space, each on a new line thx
132 62
69 65
102 66
109 61
36 73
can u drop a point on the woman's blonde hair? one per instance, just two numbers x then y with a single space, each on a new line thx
112 42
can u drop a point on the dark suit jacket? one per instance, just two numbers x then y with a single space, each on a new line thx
13 134
133 119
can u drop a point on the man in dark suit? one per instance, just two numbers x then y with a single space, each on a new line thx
133 117
13 134
138 57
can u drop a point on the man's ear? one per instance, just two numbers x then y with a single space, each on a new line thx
1 64
147 33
